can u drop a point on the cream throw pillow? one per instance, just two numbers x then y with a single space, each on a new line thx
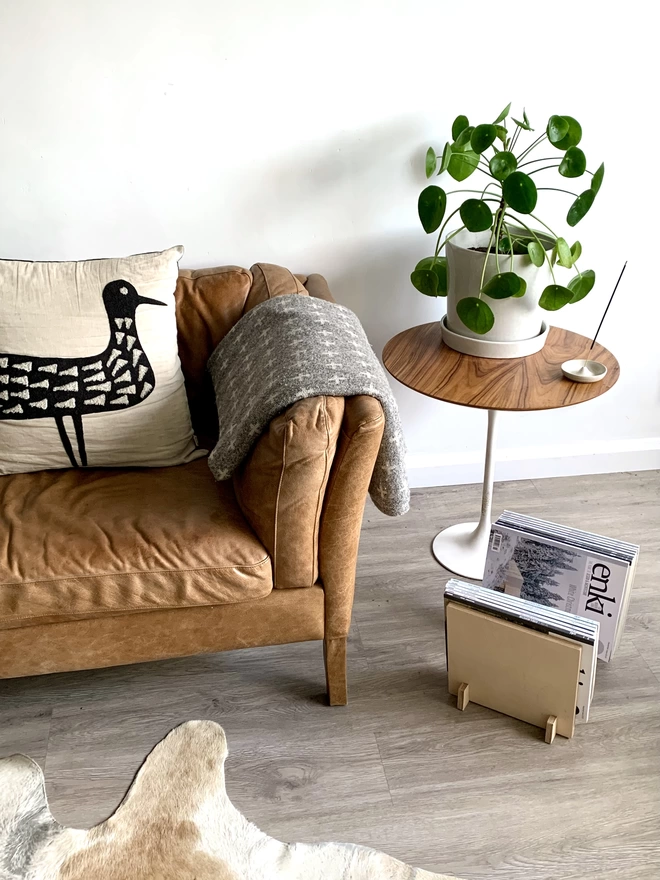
89 368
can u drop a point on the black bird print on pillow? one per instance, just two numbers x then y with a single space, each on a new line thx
52 388
89 368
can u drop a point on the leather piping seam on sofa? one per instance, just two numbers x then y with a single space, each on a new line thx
339 458
129 609
195 274
120 574
264 275
341 454
364 424
285 433
322 487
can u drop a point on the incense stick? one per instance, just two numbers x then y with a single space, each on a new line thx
593 342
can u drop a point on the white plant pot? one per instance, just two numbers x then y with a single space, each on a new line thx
516 319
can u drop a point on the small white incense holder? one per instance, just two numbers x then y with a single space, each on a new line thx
582 370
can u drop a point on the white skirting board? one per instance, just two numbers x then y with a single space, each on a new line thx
535 462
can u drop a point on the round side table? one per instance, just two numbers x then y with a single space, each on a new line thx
419 359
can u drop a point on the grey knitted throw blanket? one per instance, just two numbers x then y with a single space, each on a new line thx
289 348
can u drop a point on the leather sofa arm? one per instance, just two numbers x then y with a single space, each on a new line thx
281 486
345 497
304 493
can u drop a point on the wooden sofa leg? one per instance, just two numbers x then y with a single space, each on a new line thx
334 654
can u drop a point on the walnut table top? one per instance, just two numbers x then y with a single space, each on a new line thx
419 359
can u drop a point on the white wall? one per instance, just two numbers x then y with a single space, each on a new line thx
293 131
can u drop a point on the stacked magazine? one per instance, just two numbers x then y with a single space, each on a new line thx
547 620
563 568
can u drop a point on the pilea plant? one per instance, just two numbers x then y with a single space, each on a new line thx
493 150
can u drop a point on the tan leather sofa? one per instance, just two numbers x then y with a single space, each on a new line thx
102 567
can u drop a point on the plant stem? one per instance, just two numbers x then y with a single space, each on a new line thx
510 237
499 219
538 220
555 189
545 168
536 238
515 138
452 191
483 270
442 229
544 159
531 146
450 236
483 171
509 144
483 192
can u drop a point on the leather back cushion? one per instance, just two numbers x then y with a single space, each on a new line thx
208 304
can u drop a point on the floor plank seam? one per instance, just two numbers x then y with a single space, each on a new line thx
382 764
640 652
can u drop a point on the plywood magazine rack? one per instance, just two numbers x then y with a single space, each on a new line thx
515 670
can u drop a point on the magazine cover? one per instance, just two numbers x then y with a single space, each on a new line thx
554 574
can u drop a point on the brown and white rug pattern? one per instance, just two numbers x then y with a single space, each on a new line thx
175 823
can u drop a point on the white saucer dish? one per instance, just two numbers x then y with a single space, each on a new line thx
488 348
584 370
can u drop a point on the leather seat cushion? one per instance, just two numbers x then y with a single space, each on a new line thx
81 543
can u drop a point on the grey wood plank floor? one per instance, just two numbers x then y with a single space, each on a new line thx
475 794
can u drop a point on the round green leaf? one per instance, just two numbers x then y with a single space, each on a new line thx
597 179
462 142
557 129
428 262
476 215
536 253
482 137
576 251
431 161
573 136
425 281
582 284
431 207
502 164
446 156
580 207
437 265
574 163
503 285
554 297
519 190
502 133
475 314
461 165
523 288
503 115
459 124
564 253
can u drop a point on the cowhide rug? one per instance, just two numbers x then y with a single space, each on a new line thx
175 823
